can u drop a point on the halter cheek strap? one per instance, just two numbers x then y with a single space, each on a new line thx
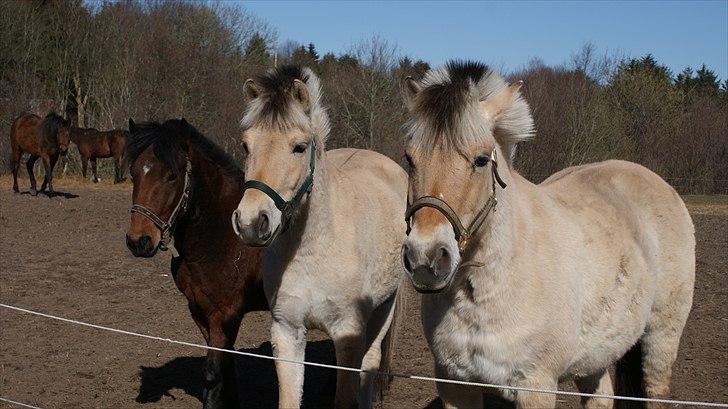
462 234
167 228
287 208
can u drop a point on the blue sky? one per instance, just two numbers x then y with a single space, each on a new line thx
508 35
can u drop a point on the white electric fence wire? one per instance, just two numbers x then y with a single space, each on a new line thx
343 368
16 403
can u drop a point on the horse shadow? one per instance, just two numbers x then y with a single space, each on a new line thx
56 193
256 378
489 401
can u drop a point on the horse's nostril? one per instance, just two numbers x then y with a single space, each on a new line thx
263 224
144 242
406 260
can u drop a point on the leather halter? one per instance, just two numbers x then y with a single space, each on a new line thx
167 228
462 234
287 208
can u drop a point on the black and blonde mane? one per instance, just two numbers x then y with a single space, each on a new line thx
167 141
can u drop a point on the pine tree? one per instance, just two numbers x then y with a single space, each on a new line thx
257 50
706 81
312 52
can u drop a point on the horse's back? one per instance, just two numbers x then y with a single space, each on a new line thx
369 172
24 133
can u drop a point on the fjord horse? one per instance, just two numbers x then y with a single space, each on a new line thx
332 256
525 285
93 144
185 189
44 138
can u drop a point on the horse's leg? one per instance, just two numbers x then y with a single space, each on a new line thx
289 342
16 156
533 400
660 343
350 346
29 165
48 164
219 390
119 169
377 329
93 169
601 384
458 396
84 166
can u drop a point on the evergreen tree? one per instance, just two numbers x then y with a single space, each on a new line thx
312 52
706 81
257 50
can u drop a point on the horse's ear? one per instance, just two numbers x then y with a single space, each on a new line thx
184 122
412 87
132 126
496 104
251 90
301 94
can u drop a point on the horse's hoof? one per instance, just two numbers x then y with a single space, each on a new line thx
15 189
33 192
97 180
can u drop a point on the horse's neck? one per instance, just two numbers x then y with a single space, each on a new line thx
503 236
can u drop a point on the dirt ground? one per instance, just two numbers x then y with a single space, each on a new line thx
66 256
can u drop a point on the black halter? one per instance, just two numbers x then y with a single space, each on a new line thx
167 228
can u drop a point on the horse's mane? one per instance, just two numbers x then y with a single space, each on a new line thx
447 109
277 107
49 130
167 140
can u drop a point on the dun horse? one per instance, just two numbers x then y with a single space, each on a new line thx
93 144
185 188
332 257
528 284
42 138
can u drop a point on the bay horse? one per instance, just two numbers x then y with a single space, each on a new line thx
332 249
45 138
526 285
93 144
185 188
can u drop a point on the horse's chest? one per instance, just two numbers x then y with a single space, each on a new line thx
467 347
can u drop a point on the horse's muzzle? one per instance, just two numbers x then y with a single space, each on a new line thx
142 247
429 273
257 233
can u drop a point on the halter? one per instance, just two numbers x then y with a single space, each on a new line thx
286 207
462 234
167 228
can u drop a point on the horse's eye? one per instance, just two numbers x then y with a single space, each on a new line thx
481 161
171 177
245 148
300 148
409 161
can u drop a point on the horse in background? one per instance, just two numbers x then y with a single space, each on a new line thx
185 188
526 285
45 138
332 256
93 144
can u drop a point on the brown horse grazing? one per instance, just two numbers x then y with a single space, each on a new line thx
93 144
185 189
42 138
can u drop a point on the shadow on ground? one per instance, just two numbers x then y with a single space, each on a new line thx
257 383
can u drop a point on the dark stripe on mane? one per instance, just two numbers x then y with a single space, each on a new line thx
49 127
276 86
167 141
441 104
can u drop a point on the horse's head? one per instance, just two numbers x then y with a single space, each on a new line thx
159 168
284 128
55 132
464 122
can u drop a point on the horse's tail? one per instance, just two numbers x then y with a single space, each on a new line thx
628 378
381 383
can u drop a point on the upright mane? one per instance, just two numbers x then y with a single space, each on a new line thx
447 110
49 127
167 141
275 105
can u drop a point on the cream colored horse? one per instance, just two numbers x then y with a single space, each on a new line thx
561 279
332 261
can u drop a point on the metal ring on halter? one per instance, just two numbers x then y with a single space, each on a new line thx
462 234
166 241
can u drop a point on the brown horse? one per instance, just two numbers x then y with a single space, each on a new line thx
42 138
93 144
185 189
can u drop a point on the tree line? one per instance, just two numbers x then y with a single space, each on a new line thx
101 63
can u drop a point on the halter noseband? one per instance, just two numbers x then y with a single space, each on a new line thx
167 228
286 207
462 234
